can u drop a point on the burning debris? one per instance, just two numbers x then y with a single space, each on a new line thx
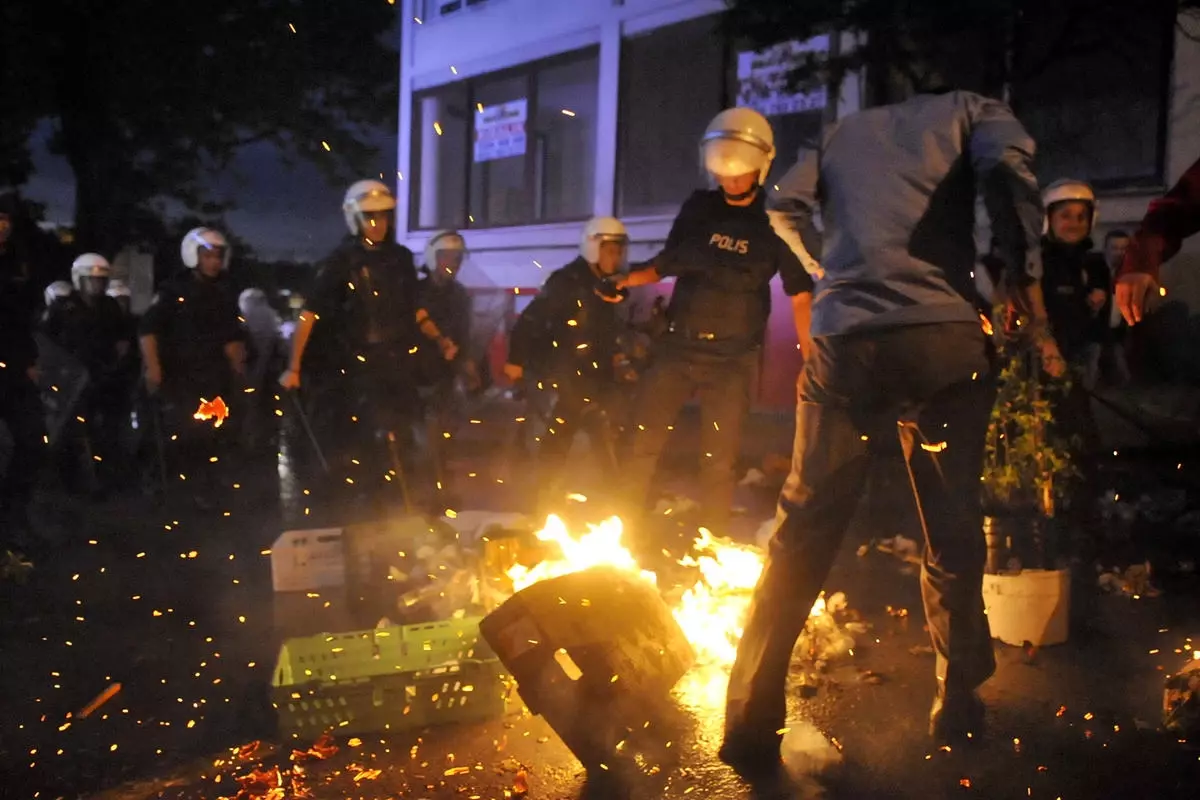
1181 700
214 409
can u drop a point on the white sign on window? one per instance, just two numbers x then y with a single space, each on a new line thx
763 74
500 131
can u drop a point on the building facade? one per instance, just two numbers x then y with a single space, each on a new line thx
520 119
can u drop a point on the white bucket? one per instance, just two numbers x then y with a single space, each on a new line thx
1032 606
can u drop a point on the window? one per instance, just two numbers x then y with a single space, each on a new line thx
441 133
501 190
1091 88
759 79
672 84
511 148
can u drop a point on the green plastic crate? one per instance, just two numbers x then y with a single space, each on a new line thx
387 679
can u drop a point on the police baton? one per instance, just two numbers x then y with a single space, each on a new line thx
308 431
156 431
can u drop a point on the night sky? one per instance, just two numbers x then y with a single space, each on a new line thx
284 212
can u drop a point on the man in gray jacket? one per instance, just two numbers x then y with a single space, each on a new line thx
897 346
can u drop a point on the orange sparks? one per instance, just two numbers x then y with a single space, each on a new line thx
212 409
100 699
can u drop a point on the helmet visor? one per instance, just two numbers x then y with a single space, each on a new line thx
730 158
450 259
376 201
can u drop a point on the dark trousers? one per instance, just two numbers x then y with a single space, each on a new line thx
367 414
722 385
444 404
932 384
579 407
190 445
21 411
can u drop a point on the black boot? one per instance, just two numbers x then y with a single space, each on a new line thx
753 756
956 716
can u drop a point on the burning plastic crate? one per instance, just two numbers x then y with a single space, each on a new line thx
387 679
595 653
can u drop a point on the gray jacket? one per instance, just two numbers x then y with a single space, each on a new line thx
896 186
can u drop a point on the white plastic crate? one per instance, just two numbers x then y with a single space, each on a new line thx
473 525
304 561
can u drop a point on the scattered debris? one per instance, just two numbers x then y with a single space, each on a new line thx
753 477
1181 700
901 547
1133 582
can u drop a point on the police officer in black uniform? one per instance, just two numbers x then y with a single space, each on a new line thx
567 340
194 348
368 344
723 253
90 326
444 383
20 403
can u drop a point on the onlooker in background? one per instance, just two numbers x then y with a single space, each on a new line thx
1114 362
1075 282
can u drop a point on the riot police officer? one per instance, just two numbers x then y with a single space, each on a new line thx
445 383
193 348
89 325
723 254
366 347
567 340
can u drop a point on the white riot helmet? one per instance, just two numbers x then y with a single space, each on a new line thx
363 197
1064 190
89 265
597 231
738 141
441 242
57 291
207 238
251 298
118 288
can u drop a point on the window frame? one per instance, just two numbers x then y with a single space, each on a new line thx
533 170
1158 180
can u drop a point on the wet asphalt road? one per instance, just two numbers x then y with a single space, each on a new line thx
175 605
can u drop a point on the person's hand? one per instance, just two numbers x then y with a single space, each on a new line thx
514 372
449 348
1096 298
154 376
290 379
1130 295
614 296
1052 361
805 345
471 379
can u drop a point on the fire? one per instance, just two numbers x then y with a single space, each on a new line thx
212 409
711 612
600 546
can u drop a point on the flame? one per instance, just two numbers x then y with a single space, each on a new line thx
711 612
212 409
599 547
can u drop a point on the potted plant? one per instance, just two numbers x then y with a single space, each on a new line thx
1027 470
